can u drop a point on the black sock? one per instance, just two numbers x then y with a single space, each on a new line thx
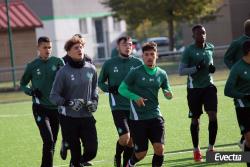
242 139
119 149
133 160
157 160
128 151
212 129
245 150
194 128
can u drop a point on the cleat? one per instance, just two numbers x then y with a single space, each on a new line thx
63 150
117 161
198 156
87 163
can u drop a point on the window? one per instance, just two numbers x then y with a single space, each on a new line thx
83 26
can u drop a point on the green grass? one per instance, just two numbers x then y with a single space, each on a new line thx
20 142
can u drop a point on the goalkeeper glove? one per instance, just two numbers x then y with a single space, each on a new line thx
75 104
91 106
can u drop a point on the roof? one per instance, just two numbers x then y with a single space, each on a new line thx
21 16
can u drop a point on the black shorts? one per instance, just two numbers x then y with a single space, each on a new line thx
197 97
144 130
243 117
121 120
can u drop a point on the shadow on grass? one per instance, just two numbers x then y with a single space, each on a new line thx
183 162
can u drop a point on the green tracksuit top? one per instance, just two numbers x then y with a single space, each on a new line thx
41 74
191 56
112 73
238 83
146 83
235 51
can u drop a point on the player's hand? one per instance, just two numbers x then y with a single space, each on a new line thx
140 102
113 90
75 104
91 106
36 93
211 68
201 65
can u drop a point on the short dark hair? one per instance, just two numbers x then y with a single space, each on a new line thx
43 39
72 41
196 27
123 38
246 47
149 46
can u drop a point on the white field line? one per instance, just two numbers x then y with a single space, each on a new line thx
166 154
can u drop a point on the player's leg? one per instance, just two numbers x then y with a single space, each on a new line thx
195 110
54 124
71 129
129 148
121 123
210 105
46 135
243 117
64 143
139 133
89 140
157 138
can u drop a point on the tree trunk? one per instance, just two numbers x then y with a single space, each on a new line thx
171 33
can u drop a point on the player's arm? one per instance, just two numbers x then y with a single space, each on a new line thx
25 80
166 88
230 54
184 68
103 77
230 87
57 89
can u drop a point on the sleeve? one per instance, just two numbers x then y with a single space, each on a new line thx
94 92
57 88
230 87
103 77
166 86
230 54
25 81
123 90
185 70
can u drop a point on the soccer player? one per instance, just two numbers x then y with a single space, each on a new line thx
75 92
238 87
197 63
41 73
112 73
64 144
141 86
235 53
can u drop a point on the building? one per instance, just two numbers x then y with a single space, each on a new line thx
227 26
64 18
23 24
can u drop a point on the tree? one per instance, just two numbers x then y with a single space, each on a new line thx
134 12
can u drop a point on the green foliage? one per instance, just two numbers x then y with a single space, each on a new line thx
170 11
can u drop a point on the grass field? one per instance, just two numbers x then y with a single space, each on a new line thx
20 142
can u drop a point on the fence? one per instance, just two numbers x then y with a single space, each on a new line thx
169 63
